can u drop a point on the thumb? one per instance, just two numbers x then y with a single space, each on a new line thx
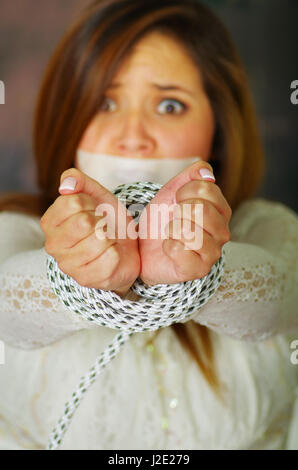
199 170
73 181
111 210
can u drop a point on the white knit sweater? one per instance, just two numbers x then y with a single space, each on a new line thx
156 397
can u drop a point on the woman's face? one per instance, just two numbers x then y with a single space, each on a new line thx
141 117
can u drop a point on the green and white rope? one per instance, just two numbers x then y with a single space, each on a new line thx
160 306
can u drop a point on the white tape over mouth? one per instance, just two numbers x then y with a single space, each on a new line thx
111 170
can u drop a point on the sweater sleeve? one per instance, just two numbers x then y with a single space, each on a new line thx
31 316
258 295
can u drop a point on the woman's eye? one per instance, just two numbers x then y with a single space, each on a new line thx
104 104
170 105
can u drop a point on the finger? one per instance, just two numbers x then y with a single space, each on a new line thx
192 264
69 204
65 207
104 199
82 183
85 251
72 231
73 181
167 193
97 271
195 238
204 214
209 192
112 270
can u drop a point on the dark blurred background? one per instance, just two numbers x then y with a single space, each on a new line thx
265 31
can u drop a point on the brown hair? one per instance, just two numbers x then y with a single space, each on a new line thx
69 97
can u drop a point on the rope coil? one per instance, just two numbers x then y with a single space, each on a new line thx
160 306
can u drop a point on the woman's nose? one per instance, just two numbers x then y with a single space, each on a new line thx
134 137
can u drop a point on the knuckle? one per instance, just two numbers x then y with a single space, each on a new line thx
76 202
208 189
204 190
217 254
60 204
60 201
199 191
226 236
43 222
85 221
227 208
212 257
49 247
197 207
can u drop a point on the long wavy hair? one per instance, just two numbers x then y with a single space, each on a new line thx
82 67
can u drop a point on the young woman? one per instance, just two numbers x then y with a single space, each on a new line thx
149 85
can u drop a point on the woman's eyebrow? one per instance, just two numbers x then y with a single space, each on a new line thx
172 87
159 87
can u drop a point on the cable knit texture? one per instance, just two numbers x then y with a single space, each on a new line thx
153 396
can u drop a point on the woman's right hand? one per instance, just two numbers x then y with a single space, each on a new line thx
75 239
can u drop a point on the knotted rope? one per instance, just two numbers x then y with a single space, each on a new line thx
160 306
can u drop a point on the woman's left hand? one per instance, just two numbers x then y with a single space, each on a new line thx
176 259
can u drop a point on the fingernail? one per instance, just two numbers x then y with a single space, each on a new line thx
69 183
206 174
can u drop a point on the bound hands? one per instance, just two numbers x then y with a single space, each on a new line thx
179 258
85 252
81 248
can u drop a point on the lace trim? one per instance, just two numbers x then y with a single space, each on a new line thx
33 294
264 283
20 292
